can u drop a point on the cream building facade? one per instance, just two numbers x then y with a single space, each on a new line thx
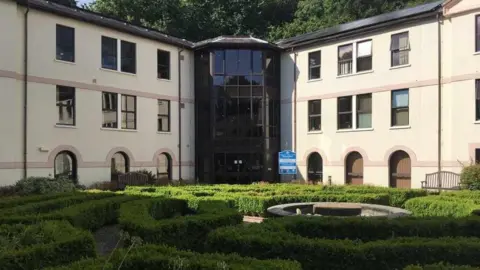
69 97
359 101
378 103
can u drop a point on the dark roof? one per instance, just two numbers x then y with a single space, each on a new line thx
356 26
102 20
247 41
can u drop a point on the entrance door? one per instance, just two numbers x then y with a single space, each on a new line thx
400 170
238 168
354 169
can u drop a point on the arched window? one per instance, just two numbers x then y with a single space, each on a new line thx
119 164
164 167
65 165
354 169
315 167
400 167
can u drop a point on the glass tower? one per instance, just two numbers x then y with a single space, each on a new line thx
237 114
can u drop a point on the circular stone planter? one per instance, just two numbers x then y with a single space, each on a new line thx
337 209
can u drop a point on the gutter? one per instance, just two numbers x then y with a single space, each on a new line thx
439 146
180 113
25 91
294 103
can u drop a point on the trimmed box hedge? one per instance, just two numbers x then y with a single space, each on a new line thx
50 243
170 221
46 210
368 229
255 199
15 201
445 206
162 257
441 266
265 243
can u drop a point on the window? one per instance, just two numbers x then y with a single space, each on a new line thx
129 112
477 33
65 165
126 61
400 48
109 53
129 53
400 114
345 112
66 105
355 112
477 100
163 115
477 156
111 113
65 43
109 110
364 56
314 63
163 65
364 111
345 59
314 115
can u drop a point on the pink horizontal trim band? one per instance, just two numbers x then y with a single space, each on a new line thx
385 88
92 87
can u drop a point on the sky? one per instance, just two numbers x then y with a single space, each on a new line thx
80 2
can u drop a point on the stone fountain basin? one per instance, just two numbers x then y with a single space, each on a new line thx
337 209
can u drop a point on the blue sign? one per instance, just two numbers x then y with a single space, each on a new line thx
287 162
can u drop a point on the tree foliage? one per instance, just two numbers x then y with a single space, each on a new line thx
272 19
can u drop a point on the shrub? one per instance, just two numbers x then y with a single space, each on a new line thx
470 177
37 211
255 199
163 221
440 266
447 206
265 243
161 257
45 244
91 215
368 229
44 185
8 191
7 202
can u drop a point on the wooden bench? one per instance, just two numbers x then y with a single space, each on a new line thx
132 179
447 181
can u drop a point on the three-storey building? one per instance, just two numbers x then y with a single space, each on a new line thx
382 101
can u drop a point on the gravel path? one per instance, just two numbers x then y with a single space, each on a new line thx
106 238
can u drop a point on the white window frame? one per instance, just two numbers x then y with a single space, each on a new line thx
354 57
119 113
355 114
119 56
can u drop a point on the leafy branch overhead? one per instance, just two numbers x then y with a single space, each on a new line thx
196 20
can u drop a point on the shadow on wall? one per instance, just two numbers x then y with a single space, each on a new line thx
289 75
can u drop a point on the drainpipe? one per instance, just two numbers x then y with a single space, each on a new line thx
294 103
25 91
439 146
180 114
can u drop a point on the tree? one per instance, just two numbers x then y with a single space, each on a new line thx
196 20
313 15
202 19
